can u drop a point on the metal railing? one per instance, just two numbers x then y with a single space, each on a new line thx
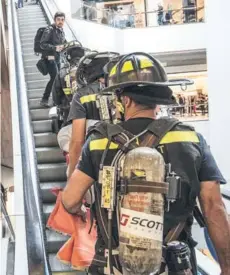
30 252
189 110
158 17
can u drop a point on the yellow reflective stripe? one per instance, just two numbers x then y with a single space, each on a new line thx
145 63
113 71
88 98
127 67
67 91
100 144
180 136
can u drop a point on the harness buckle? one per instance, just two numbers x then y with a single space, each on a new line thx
123 186
114 252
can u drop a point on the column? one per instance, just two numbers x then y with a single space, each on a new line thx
218 60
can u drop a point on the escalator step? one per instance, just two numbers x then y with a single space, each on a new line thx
49 155
35 84
35 93
46 194
40 22
42 126
60 268
39 114
47 209
33 61
45 140
34 103
55 241
36 76
52 172
31 68
27 45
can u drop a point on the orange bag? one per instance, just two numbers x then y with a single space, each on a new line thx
79 250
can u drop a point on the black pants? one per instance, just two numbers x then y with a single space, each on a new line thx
53 68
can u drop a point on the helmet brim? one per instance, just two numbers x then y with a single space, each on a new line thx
176 82
171 100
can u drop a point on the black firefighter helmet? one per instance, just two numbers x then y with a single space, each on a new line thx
90 67
143 75
74 51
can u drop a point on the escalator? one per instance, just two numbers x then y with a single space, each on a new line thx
50 160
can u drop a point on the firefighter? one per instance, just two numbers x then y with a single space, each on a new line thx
83 111
65 84
140 83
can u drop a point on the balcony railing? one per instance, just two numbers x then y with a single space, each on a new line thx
118 19
185 112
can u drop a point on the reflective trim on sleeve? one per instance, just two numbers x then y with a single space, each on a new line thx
88 98
100 144
180 136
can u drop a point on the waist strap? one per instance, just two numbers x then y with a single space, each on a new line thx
146 186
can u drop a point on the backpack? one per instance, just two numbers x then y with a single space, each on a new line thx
37 40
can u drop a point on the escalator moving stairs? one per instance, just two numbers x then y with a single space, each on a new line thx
50 160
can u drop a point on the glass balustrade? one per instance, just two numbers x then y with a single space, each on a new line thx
123 17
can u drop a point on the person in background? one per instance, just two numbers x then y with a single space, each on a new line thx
193 104
132 16
202 104
168 15
160 14
52 43
181 102
20 4
206 101
104 21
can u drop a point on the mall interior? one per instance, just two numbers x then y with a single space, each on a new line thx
190 40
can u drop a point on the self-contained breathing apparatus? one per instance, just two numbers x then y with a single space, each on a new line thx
138 186
92 67
65 84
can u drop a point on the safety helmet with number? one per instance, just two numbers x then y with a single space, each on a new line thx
90 67
143 75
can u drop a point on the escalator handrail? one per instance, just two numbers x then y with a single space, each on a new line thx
35 233
20 263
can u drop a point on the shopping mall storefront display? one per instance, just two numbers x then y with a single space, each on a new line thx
192 101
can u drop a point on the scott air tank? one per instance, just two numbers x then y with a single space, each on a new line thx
142 211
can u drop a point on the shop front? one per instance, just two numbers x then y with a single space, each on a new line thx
148 13
192 101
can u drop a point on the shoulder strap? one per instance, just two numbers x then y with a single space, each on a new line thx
155 131
99 127
160 127
153 134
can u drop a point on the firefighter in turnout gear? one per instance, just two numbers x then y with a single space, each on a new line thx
84 111
147 175
65 84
